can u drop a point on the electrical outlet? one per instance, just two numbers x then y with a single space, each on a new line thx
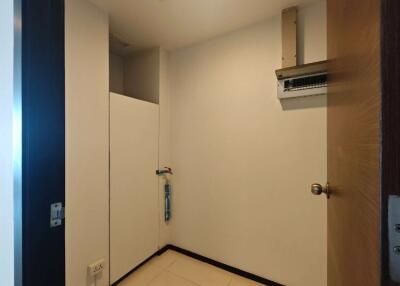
96 267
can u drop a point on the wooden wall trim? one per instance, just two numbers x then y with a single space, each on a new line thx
289 37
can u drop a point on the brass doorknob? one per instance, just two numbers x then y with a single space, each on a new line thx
318 189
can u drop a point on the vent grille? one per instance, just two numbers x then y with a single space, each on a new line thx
307 82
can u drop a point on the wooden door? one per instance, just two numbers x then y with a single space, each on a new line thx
354 108
134 185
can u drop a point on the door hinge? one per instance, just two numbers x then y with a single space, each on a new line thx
57 214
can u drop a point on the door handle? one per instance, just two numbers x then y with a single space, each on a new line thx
318 189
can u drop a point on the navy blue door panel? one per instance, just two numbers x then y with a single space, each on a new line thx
43 140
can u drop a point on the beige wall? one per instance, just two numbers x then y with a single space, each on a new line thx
141 75
312 38
164 140
87 164
243 160
116 74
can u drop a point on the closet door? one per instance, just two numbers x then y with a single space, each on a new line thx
133 191
354 143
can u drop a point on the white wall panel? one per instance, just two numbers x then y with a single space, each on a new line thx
134 211
87 164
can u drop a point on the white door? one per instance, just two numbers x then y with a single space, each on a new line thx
133 192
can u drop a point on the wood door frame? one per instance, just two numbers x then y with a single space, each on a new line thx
390 75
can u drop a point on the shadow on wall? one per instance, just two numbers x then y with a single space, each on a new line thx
303 102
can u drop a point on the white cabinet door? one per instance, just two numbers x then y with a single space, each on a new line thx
133 195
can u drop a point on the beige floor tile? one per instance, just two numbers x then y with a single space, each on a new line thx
175 269
142 276
240 281
169 279
199 272
165 259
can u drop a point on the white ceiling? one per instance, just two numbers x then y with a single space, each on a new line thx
176 23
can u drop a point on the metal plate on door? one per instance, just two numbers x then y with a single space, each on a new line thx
56 214
394 237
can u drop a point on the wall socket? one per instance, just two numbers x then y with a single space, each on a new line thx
96 267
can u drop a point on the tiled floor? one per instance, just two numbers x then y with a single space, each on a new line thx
175 269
